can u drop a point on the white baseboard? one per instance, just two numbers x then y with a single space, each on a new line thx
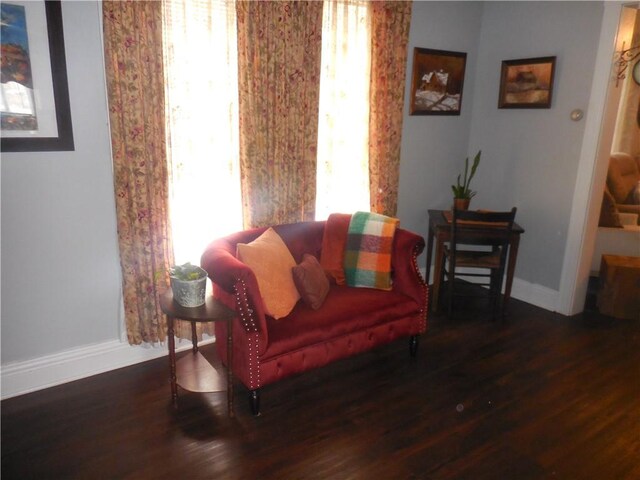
535 294
532 293
18 378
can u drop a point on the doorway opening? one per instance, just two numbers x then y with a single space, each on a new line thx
616 183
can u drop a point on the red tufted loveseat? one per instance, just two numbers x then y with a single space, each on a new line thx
351 320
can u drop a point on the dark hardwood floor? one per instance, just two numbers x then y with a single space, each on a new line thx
539 396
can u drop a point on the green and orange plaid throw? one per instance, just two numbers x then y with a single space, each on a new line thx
367 258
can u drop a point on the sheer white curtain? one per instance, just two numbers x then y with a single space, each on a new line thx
201 77
343 124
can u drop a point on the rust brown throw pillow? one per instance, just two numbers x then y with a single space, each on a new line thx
311 281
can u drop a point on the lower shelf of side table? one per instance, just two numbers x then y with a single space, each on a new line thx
195 374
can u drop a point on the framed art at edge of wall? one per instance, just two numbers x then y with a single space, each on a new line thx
527 83
436 82
35 114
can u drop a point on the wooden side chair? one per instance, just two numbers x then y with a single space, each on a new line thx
488 264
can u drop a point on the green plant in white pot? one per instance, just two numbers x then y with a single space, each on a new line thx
462 194
188 283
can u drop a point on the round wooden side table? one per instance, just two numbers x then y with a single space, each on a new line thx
193 372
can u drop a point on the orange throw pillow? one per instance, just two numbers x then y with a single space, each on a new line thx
271 262
334 242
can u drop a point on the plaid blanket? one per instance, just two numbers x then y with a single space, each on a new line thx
367 258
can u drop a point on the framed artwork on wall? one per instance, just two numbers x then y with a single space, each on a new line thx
437 81
527 83
34 96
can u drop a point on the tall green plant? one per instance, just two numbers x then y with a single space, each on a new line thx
461 190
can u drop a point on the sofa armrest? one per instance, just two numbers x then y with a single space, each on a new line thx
237 281
406 274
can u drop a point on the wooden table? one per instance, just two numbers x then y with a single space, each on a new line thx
618 291
440 230
193 372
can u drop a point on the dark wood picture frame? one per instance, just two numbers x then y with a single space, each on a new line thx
527 83
437 81
64 139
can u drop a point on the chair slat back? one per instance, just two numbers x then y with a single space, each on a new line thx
470 227
492 229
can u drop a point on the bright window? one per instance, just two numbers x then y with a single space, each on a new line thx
343 129
201 77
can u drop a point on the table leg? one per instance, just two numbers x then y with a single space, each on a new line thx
194 337
437 274
172 361
229 363
430 236
511 267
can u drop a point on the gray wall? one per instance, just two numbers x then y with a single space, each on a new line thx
60 266
434 147
530 157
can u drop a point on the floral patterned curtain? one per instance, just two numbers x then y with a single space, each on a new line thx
279 49
279 45
135 82
389 39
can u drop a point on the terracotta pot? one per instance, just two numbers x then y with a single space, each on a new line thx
461 203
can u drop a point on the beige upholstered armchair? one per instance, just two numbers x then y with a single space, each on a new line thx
622 181
622 192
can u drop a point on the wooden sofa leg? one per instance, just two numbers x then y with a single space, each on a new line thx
413 345
254 399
